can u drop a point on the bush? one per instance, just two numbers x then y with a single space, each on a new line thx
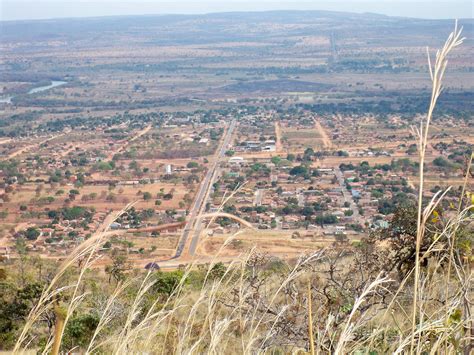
79 331
166 282
32 233
192 165
299 170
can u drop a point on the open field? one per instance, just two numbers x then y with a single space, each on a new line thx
298 138
279 243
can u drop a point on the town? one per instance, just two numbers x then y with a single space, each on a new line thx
297 181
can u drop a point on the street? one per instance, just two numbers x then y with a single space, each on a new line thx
347 194
193 227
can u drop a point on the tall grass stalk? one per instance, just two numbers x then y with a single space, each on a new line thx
349 327
310 320
436 73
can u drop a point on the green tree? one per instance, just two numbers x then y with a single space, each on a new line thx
120 265
15 304
299 170
32 233
166 282
276 160
401 234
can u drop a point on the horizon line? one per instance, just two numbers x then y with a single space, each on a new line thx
233 12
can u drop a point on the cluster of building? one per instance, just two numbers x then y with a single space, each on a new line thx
328 200
268 145
60 238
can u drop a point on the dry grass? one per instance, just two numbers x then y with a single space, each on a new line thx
437 74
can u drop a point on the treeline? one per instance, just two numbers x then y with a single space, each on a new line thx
94 122
452 103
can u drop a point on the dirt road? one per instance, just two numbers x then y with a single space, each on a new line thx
278 145
134 138
31 146
325 138
347 195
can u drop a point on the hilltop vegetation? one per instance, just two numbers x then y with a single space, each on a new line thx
360 296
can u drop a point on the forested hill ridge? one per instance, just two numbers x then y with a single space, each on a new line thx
205 26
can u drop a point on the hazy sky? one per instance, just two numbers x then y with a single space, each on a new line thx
44 9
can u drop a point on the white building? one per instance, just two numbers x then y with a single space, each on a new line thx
237 160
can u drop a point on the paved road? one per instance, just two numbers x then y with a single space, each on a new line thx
193 227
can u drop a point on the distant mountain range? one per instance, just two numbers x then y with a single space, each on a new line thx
215 27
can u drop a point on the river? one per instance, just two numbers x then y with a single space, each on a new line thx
54 83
